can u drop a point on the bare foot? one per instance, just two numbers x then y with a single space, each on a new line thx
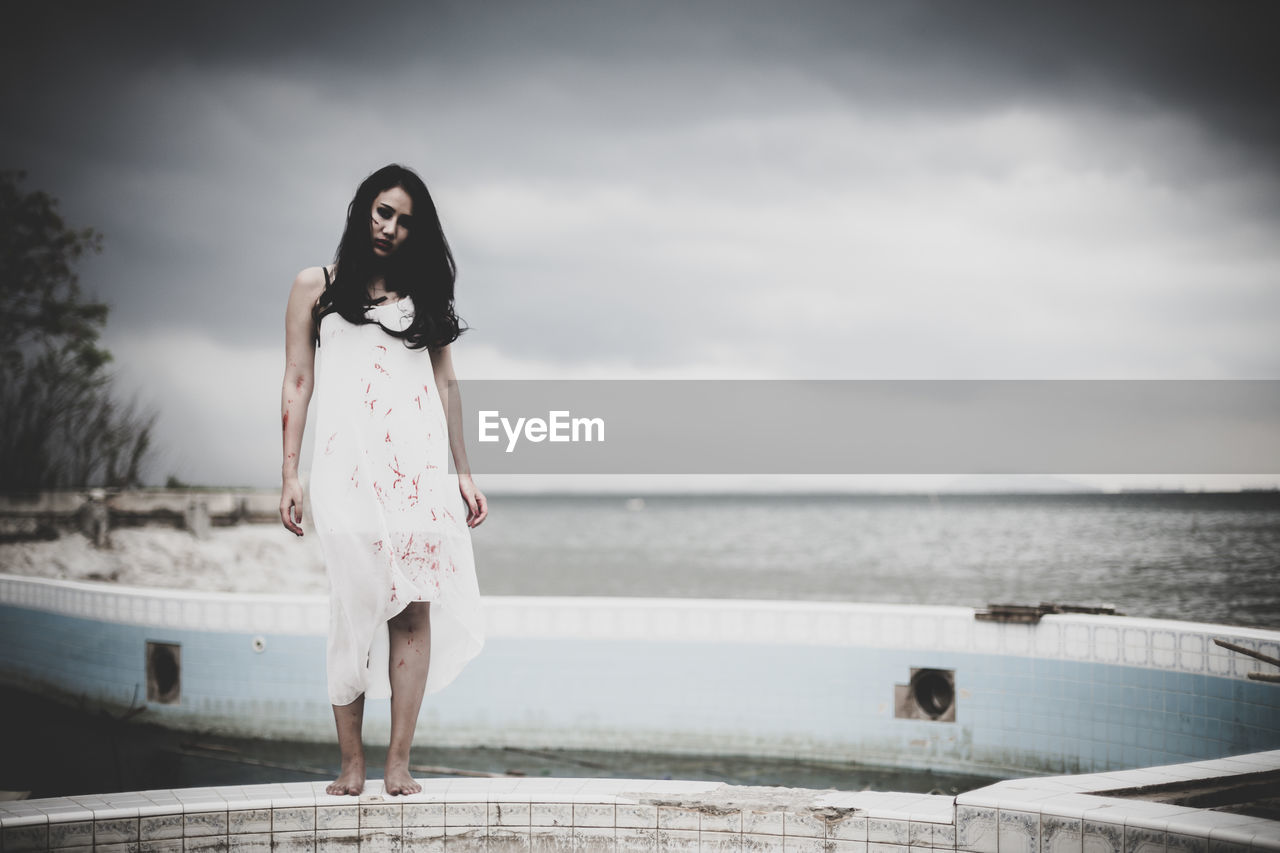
398 781
349 781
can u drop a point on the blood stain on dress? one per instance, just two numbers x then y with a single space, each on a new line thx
417 559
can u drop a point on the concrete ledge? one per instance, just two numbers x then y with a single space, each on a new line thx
1058 814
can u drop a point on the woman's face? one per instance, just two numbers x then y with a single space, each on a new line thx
392 217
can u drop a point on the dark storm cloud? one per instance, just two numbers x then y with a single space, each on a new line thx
1212 59
777 185
128 107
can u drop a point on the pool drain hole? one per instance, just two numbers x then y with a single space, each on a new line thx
930 694
164 672
933 691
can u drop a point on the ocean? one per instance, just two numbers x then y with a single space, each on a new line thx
1210 557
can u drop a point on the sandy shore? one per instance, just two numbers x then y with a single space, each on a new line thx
242 558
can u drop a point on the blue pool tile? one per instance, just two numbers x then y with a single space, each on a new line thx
1219 688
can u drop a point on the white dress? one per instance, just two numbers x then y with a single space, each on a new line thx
388 513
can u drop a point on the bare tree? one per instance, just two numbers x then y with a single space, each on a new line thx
61 424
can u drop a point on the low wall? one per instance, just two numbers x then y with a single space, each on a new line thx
94 512
1074 693
1073 814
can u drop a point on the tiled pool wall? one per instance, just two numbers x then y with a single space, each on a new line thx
1072 694
1042 815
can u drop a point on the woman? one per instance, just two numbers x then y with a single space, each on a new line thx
394 525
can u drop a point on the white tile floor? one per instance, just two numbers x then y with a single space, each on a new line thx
722 816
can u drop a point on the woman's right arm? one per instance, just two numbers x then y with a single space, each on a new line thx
295 393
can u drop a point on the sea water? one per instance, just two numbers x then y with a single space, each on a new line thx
1199 557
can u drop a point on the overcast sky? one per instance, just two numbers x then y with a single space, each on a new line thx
672 189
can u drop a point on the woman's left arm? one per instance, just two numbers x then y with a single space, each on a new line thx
447 387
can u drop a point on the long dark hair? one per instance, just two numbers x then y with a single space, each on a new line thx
422 267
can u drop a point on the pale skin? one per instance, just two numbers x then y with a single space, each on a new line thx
410 630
